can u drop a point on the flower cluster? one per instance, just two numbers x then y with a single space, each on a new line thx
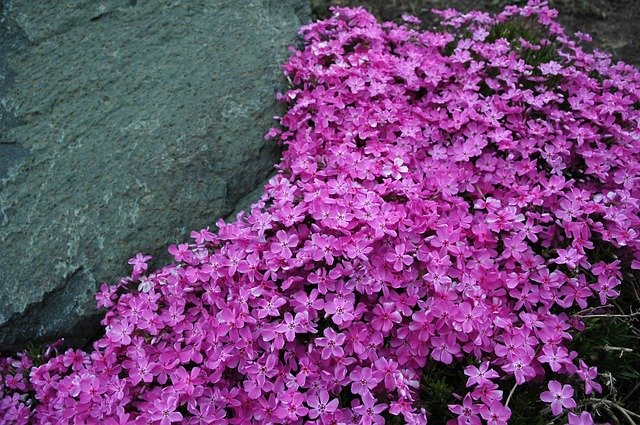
443 196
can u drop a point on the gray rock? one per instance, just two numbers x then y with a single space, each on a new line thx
129 124
12 39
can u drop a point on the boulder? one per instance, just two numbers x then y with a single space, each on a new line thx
125 124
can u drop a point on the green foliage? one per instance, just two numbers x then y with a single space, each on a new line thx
450 47
611 341
36 353
500 4
530 30
589 8
437 397
525 404
438 384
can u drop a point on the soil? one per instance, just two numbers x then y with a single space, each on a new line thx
614 25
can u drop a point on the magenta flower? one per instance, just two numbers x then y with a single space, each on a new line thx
320 404
370 411
180 252
292 325
270 307
105 296
469 317
309 303
584 419
364 381
399 258
556 357
360 249
203 236
495 413
233 259
403 407
480 376
341 310
467 411
385 316
487 393
588 375
284 244
91 390
427 207
163 409
332 343
520 367
559 396
396 169
387 371
140 370
445 348
188 382
570 257
291 406
120 332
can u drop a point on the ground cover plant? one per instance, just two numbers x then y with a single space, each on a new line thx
453 205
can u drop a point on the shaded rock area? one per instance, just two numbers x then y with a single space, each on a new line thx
124 124
12 39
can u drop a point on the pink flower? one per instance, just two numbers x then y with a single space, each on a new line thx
233 259
495 413
570 257
140 370
387 370
364 380
487 393
467 412
321 405
120 332
584 419
332 343
105 296
309 303
270 307
291 406
359 250
180 252
554 356
422 210
370 411
292 325
385 316
139 263
188 382
341 311
559 396
588 375
444 348
203 236
398 258
520 366
396 169
285 242
163 409
479 376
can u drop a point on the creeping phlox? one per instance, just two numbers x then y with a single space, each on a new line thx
443 196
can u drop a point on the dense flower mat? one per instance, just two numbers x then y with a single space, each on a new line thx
454 195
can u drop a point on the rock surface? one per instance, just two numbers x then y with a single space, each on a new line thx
124 124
